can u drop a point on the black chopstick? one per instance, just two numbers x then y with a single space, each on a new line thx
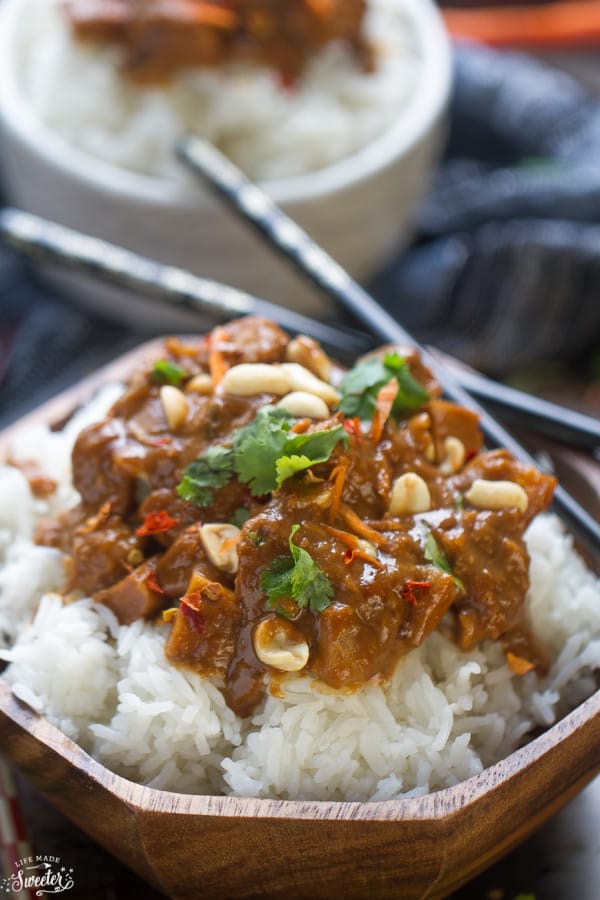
559 423
518 408
49 242
281 233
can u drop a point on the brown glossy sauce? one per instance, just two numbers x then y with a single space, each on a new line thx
387 596
159 37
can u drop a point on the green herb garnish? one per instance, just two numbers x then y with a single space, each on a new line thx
305 450
213 470
239 516
435 555
258 446
297 577
263 455
360 386
166 372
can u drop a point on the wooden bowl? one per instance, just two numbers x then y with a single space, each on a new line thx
215 847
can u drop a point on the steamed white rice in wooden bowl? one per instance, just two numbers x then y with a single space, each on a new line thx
446 716
347 153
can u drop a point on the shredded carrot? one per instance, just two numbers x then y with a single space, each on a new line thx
338 476
383 407
517 664
321 8
216 361
354 551
169 614
357 553
192 529
562 23
349 540
360 527
215 16
300 426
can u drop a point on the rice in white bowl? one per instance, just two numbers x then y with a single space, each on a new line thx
335 109
444 716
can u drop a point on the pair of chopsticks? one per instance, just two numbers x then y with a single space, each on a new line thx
48 241
281 233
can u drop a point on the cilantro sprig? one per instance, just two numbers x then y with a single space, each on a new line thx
361 385
166 372
435 555
213 470
263 454
297 577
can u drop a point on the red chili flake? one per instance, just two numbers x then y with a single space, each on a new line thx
160 442
153 584
156 523
190 608
352 427
471 454
409 588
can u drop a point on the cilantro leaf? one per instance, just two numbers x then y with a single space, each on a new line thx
317 447
239 516
262 455
411 394
359 388
275 581
435 555
297 577
258 446
213 470
287 466
361 385
166 372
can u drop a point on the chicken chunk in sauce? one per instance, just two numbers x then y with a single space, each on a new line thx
159 37
276 543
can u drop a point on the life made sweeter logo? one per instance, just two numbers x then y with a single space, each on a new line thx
40 875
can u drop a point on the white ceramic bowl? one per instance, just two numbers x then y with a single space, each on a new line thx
360 209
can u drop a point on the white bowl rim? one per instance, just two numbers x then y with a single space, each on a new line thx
417 119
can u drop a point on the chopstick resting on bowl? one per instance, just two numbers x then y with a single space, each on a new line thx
50 242
47 241
284 235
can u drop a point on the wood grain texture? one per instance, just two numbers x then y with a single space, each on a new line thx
217 847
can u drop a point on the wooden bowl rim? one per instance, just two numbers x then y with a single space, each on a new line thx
437 805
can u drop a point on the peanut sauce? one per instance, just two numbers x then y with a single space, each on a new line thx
139 547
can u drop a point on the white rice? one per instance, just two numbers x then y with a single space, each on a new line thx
445 715
334 110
